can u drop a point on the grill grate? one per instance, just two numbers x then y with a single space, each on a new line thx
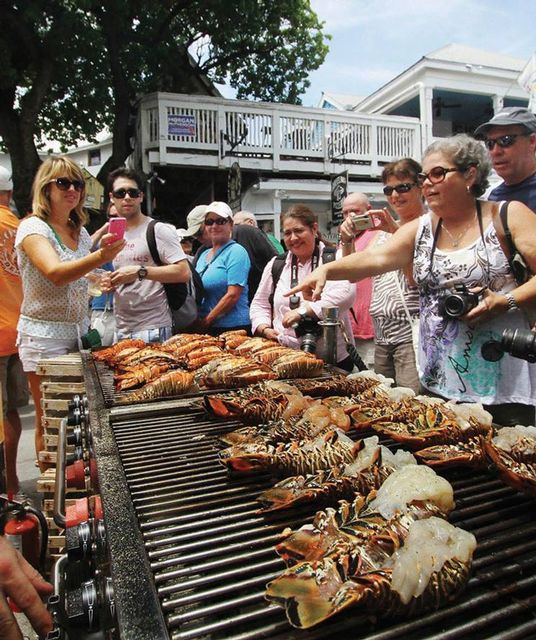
210 554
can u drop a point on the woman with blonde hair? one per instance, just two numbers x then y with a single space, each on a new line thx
53 252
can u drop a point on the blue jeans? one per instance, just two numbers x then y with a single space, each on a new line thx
148 335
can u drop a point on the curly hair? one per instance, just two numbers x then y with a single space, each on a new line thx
464 152
51 168
125 172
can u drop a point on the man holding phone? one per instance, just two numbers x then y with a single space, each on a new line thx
354 236
140 301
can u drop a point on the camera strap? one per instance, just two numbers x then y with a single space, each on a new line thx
481 228
294 301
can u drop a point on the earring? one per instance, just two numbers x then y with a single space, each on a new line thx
468 189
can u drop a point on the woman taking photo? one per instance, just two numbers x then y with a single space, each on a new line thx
395 298
53 252
459 242
275 316
224 269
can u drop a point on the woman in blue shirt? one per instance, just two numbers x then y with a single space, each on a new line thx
224 269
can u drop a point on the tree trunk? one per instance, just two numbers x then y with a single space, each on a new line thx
18 138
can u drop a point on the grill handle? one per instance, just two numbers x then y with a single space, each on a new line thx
59 487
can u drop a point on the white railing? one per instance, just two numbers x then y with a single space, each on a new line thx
206 131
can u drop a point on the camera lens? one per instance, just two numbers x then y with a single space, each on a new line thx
454 306
520 343
308 343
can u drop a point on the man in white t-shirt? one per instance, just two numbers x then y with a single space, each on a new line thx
140 302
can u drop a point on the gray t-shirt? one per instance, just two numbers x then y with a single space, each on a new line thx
143 304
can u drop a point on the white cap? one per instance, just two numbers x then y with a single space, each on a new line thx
220 209
6 183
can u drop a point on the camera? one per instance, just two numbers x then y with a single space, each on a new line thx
457 302
520 343
308 331
362 221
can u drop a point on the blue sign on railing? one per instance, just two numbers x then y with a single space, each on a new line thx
181 125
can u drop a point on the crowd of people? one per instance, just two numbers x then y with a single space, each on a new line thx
443 231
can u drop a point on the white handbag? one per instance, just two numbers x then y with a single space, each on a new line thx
413 322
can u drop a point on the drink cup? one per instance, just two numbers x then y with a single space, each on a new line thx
94 282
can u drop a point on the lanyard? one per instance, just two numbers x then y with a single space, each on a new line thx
294 266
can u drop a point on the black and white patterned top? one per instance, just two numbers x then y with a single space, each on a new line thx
390 320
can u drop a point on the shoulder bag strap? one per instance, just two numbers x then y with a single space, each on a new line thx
503 215
151 242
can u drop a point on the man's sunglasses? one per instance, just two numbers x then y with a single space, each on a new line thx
219 221
503 141
121 193
435 175
64 184
404 187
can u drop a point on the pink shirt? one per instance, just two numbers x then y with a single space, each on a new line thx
362 326
336 293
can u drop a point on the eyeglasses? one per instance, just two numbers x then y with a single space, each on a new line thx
219 221
404 187
435 175
503 141
121 193
64 184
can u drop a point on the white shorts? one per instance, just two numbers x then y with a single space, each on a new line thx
33 349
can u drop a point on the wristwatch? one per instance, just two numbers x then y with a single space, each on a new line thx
512 304
142 273
302 311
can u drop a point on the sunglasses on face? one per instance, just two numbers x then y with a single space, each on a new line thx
404 187
435 175
219 221
122 193
503 141
64 184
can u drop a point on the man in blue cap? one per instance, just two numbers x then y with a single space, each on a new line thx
510 137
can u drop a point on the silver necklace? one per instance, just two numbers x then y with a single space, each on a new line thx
455 240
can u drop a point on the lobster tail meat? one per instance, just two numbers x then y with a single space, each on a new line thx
425 565
372 465
513 452
171 383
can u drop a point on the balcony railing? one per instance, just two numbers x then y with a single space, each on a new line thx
176 129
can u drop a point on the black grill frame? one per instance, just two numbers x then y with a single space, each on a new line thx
216 595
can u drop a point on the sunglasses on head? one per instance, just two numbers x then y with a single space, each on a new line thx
503 141
122 193
219 221
435 175
64 184
404 187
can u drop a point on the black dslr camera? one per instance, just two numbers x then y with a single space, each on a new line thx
520 343
457 302
308 331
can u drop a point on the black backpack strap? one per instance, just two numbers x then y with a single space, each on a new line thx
277 269
503 215
151 242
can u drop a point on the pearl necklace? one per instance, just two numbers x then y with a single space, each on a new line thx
455 240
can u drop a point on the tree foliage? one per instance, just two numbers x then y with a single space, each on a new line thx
71 67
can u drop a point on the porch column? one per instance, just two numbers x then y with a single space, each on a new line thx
426 95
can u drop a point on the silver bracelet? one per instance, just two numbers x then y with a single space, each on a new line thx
512 304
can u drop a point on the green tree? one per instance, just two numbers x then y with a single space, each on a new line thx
71 67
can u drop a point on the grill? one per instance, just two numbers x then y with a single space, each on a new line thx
190 557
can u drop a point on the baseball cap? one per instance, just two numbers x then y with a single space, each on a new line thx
194 220
6 183
509 116
220 209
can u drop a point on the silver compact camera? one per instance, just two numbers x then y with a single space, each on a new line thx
362 221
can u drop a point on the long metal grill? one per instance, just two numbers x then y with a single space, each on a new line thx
207 555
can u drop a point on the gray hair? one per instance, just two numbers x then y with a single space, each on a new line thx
464 152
